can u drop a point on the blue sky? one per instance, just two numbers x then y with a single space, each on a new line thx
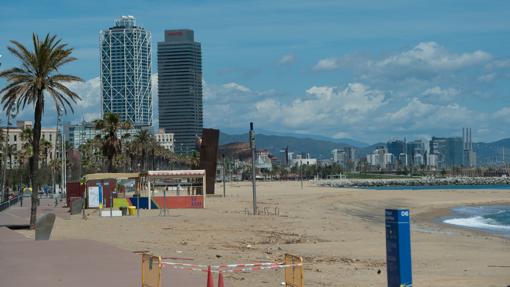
367 70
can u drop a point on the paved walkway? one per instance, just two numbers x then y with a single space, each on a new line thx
77 263
18 215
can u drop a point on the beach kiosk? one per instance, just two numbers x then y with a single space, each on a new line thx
102 188
175 188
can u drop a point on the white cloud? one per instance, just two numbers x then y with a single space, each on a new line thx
414 109
341 135
417 116
487 77
325 107
287 59
236 86
91 116
89 92
438 94
502 114
499 64
327 64
425 61
434 56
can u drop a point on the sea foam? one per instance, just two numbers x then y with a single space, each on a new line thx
478 222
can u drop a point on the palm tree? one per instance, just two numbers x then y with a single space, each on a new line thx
26 137
38 75
110 124
45 149
90 156
143 141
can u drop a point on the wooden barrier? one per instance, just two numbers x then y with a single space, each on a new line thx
151 270
294 274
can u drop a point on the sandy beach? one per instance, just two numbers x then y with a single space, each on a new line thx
339 233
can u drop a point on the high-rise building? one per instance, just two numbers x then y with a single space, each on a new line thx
338 156
449 151
125 52
397 147
417 152
180 88
345 157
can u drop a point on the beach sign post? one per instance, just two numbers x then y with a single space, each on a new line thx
398 248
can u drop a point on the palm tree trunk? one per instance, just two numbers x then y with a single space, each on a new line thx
143 159
153 160
34 163
110 164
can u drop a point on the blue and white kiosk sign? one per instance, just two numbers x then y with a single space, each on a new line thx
398 248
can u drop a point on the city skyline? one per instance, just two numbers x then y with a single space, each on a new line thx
366 71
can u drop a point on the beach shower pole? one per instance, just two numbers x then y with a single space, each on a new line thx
253 172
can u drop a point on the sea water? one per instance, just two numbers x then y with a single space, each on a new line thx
489 218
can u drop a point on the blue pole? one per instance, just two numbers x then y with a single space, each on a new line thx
398 248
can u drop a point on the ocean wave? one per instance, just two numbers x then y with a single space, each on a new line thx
478 222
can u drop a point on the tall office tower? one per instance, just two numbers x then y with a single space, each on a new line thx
126 71
397 147
449 151
180 88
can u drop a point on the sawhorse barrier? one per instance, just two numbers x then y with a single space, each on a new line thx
294 273
292 265
151 270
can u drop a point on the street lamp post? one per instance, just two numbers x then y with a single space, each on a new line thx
253 172
10 115
62 153
301 173
224 187
138 199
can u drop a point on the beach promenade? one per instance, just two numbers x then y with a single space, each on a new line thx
339 232
25 262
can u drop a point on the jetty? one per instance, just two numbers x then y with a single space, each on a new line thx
422 181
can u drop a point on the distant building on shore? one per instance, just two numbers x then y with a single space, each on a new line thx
345 157
449 151
18 149
125 54
180 88
165 139
78 134
469 153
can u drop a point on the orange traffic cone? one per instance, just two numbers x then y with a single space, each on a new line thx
220 280
210 278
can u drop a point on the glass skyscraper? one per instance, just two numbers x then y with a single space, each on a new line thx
180 88
126 71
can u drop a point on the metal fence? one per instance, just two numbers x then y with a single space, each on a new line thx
8 203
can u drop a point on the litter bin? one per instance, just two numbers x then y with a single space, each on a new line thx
124 210
132 210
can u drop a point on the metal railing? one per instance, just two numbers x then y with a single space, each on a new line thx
8 203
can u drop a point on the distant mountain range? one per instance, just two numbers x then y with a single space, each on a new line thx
348 141
320 147
273 143
494 152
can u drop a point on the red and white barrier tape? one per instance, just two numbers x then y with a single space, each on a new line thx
230 268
